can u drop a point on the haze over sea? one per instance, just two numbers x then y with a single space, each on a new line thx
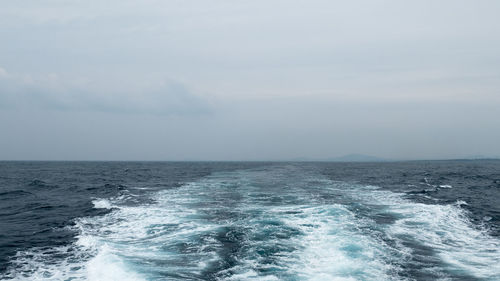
421 220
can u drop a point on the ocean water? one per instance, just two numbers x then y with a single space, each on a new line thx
423 220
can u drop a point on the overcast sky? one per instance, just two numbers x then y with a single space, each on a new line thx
248 80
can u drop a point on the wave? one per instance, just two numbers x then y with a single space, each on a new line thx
102 204
427 231
14 193
272 224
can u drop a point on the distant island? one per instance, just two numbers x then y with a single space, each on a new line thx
346 158
356 157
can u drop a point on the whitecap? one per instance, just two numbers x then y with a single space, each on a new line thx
102 204
177 235
464 248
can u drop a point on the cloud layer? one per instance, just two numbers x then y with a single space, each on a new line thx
233 80
52 92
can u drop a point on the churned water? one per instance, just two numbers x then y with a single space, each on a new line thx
434 220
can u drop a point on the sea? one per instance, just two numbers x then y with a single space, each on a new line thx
417 220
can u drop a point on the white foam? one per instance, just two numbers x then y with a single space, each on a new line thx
140 233
446 229
465 248
176 234
102 204
32 265
108 247
107 266
330 245
334 247
251 274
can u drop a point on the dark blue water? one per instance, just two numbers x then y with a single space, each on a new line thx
435 220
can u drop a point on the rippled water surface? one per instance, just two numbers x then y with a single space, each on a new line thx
434 220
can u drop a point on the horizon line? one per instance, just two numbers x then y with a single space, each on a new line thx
258 160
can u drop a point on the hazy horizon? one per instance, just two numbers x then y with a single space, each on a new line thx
259 80
348 158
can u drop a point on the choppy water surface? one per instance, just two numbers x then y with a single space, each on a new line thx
250 221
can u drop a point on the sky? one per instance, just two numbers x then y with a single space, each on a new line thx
248 80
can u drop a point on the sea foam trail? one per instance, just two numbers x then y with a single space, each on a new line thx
427 231
281 223
329 246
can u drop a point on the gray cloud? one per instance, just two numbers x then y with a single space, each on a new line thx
249 79
52 92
